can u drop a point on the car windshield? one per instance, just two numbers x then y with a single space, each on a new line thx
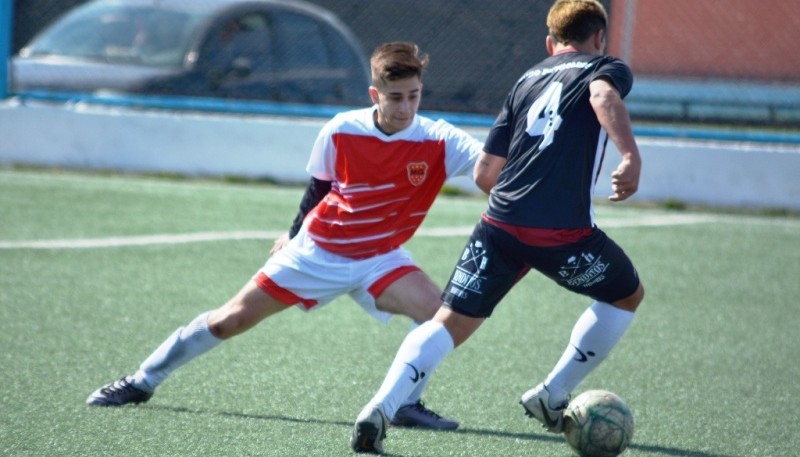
146 35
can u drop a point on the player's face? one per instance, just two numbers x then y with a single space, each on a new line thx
397 102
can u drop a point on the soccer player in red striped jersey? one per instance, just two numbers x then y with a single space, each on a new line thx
375 173
540 165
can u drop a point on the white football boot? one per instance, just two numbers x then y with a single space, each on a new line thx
537 405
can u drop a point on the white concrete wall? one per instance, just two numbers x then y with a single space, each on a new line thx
722 174
716 173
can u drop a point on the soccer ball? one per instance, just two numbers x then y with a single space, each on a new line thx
598 423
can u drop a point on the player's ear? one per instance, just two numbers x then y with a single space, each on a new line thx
373 94
548 43
600 41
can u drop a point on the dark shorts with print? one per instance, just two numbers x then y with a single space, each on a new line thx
493 261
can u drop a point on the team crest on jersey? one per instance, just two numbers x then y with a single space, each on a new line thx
417 172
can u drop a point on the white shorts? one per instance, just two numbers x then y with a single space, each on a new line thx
304 274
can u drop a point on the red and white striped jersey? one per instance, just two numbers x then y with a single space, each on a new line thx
382 185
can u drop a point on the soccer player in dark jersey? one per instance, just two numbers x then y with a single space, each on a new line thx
540 163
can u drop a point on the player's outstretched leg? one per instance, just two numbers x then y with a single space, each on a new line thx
369 430
537 405
183 345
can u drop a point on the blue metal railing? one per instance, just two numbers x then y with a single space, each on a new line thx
244 107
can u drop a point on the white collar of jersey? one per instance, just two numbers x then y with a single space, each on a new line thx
399 135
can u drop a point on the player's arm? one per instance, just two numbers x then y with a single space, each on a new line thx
487 169
315 192
613 117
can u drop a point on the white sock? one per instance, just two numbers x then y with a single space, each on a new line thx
596 332
182 346
419 355
416 395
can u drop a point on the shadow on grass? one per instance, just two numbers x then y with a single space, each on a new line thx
656 450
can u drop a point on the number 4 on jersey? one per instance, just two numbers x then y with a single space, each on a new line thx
543 117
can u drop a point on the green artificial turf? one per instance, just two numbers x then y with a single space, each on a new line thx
709 366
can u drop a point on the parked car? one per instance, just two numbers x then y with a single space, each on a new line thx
276 50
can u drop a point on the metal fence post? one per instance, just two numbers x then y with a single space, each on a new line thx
6 22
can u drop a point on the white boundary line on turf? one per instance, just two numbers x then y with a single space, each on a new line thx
147 240
142 240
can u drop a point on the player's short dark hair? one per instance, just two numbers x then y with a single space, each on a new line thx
397 60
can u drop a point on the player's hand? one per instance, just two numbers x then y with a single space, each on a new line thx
625 179
280 242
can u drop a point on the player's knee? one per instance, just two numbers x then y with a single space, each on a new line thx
224 324
430 308
219 329
639 294
632 301
418 311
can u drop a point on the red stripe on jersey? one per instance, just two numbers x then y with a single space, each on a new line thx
381 284
284 296
541 237
380 196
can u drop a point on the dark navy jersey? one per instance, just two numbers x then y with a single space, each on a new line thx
553 143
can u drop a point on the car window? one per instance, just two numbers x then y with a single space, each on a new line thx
149 36
162 37
317 60
342 53
300 42
240 40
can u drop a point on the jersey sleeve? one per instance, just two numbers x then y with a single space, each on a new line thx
322 162
314 194
461 149
498 141
618 73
